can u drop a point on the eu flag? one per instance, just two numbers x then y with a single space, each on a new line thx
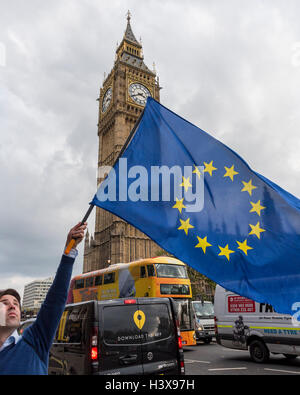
201 202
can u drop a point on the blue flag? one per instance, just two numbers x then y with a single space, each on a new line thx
201 202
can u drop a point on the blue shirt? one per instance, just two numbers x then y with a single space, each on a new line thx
14 338
28 355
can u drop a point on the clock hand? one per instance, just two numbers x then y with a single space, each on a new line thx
138 94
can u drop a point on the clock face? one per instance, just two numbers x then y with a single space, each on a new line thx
106 99
139 93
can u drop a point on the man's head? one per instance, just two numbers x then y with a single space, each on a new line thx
12 302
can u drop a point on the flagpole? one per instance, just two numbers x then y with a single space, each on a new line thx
87 214
72 242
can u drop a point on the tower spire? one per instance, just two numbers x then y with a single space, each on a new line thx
129 33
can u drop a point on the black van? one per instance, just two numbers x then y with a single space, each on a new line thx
120 336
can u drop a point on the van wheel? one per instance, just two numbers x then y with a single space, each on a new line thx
258 351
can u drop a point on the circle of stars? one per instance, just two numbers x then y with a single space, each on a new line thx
256 207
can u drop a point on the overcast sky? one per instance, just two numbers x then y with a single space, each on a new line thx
230 67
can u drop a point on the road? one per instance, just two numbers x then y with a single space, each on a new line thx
213 359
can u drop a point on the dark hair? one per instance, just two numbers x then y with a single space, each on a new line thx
11 292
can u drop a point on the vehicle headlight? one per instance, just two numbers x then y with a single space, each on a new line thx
200 327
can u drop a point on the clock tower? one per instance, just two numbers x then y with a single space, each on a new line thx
122 98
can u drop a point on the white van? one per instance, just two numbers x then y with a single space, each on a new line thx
204 320
241 323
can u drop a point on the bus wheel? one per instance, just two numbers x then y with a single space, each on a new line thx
258 351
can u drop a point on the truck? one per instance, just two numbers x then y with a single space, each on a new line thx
203 311
242 323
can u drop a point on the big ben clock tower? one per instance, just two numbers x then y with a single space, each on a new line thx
122 99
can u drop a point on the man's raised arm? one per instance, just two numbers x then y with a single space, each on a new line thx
40 335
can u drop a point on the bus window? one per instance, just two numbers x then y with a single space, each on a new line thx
89 282
109 278
151 271
171 271
79 283
143 272
98 280
184 313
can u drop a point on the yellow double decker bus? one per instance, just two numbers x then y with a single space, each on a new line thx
153 277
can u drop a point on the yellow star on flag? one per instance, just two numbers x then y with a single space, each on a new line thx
248 187
244 247
230 172
197 171
185 225
202 243
209 168
256 207
225 251
256 230
186 183
179 204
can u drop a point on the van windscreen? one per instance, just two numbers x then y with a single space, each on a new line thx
136 324
205 310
